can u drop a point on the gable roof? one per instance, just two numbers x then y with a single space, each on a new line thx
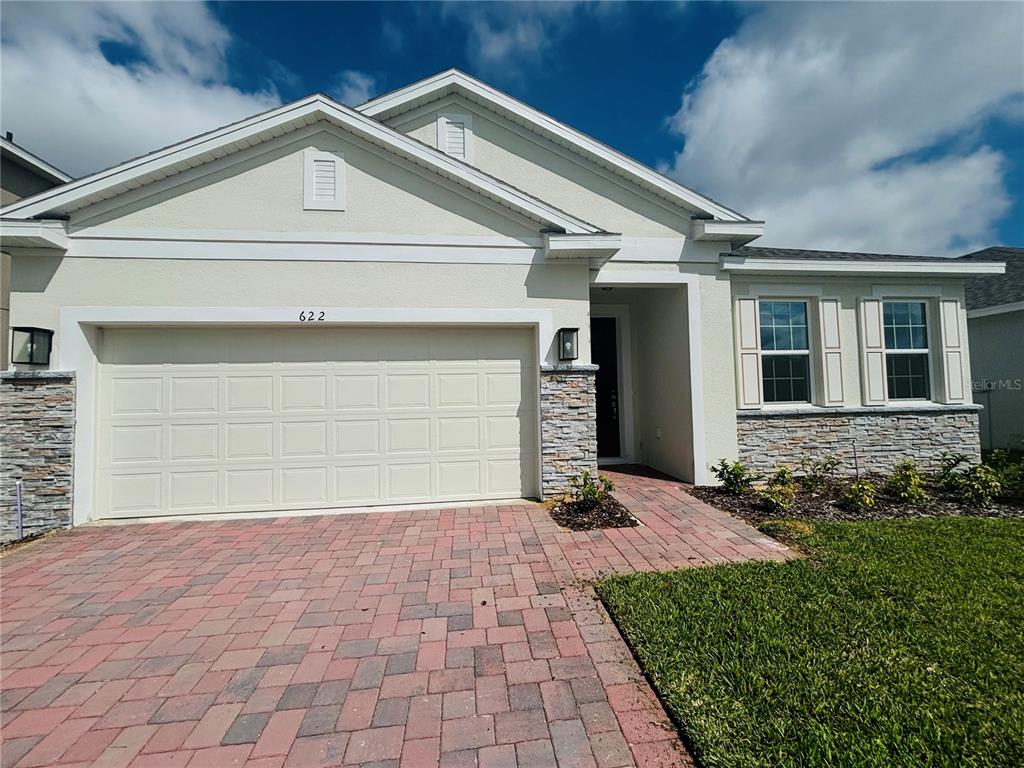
453 81
23 157
241 135
996 290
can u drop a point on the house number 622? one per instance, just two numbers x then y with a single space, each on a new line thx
311 316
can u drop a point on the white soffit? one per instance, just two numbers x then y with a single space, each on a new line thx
453 81
277 122
33 234
736 232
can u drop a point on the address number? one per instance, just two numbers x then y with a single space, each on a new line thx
312 316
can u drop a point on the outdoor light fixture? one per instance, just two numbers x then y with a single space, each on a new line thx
567 338
31 346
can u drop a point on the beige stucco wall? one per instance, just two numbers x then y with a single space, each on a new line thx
553 173
263 191
997 362
41 285
849 291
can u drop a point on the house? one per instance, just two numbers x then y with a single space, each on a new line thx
995 322
442 296
21 174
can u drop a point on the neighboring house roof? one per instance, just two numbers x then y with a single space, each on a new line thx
756 259
452 81
23 157
997 290
276 122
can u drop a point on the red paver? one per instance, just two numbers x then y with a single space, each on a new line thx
439 637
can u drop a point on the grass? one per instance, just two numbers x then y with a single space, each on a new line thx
893 643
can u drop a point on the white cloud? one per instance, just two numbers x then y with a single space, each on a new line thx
852 126
353 87
65 101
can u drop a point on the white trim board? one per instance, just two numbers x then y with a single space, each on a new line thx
79 344
37 164
452 80
934 268
998 309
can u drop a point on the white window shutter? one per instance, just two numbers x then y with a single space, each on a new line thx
748 362
873 352
323 181
954 390
831 351
455 136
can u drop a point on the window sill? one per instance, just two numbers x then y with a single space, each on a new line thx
850 410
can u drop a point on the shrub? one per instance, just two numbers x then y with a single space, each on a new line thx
858 496
906 484
589 490
1010 472
779 493
814 473
948 464
977 486
734 476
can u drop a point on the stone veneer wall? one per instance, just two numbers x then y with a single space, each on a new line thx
883 437
37 428
568 425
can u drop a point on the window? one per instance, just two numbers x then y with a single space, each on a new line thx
906 350
785 352
455 136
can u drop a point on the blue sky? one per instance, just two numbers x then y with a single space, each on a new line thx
874 126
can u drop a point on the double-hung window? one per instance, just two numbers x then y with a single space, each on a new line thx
785 352
906 350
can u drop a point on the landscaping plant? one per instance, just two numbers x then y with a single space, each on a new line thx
779 493
734 476
977 486
906 484
858 496
814 473
588 490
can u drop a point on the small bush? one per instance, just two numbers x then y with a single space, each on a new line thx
779 494
814 473
948 465
1010 472
858 496
977 486
790 530
907 485
589 490
734 476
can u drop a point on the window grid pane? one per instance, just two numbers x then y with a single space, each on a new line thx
905 325
907 376
785 378
783 325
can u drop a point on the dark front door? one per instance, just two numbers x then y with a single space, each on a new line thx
604 350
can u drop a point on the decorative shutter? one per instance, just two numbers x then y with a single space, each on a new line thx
455 138
952 351
323 181
831 351
873 349
748 364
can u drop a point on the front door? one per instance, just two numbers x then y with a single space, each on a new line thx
604 351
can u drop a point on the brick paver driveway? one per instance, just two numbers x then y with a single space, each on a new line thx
461 637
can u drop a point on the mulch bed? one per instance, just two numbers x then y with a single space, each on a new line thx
821 505
609 513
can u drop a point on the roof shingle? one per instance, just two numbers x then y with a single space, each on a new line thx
994 290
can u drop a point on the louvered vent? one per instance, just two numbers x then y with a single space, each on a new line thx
324 180
456 139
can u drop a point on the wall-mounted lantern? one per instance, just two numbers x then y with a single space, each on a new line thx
567 343
31 346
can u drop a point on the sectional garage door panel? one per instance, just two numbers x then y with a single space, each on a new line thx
200 421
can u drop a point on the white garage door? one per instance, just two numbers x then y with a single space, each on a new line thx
193 421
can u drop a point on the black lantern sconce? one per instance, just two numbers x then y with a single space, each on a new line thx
568 339
31 346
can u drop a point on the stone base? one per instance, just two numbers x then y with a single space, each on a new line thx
568 425
883 437
37 431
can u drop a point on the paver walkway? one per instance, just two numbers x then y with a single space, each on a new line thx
449 637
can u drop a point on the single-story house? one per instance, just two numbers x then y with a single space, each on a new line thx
443 295
995 323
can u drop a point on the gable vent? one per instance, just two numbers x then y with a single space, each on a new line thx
455 136
324 181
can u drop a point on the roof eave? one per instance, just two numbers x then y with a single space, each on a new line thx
857 267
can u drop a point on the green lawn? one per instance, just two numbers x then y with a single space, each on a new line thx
891 644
